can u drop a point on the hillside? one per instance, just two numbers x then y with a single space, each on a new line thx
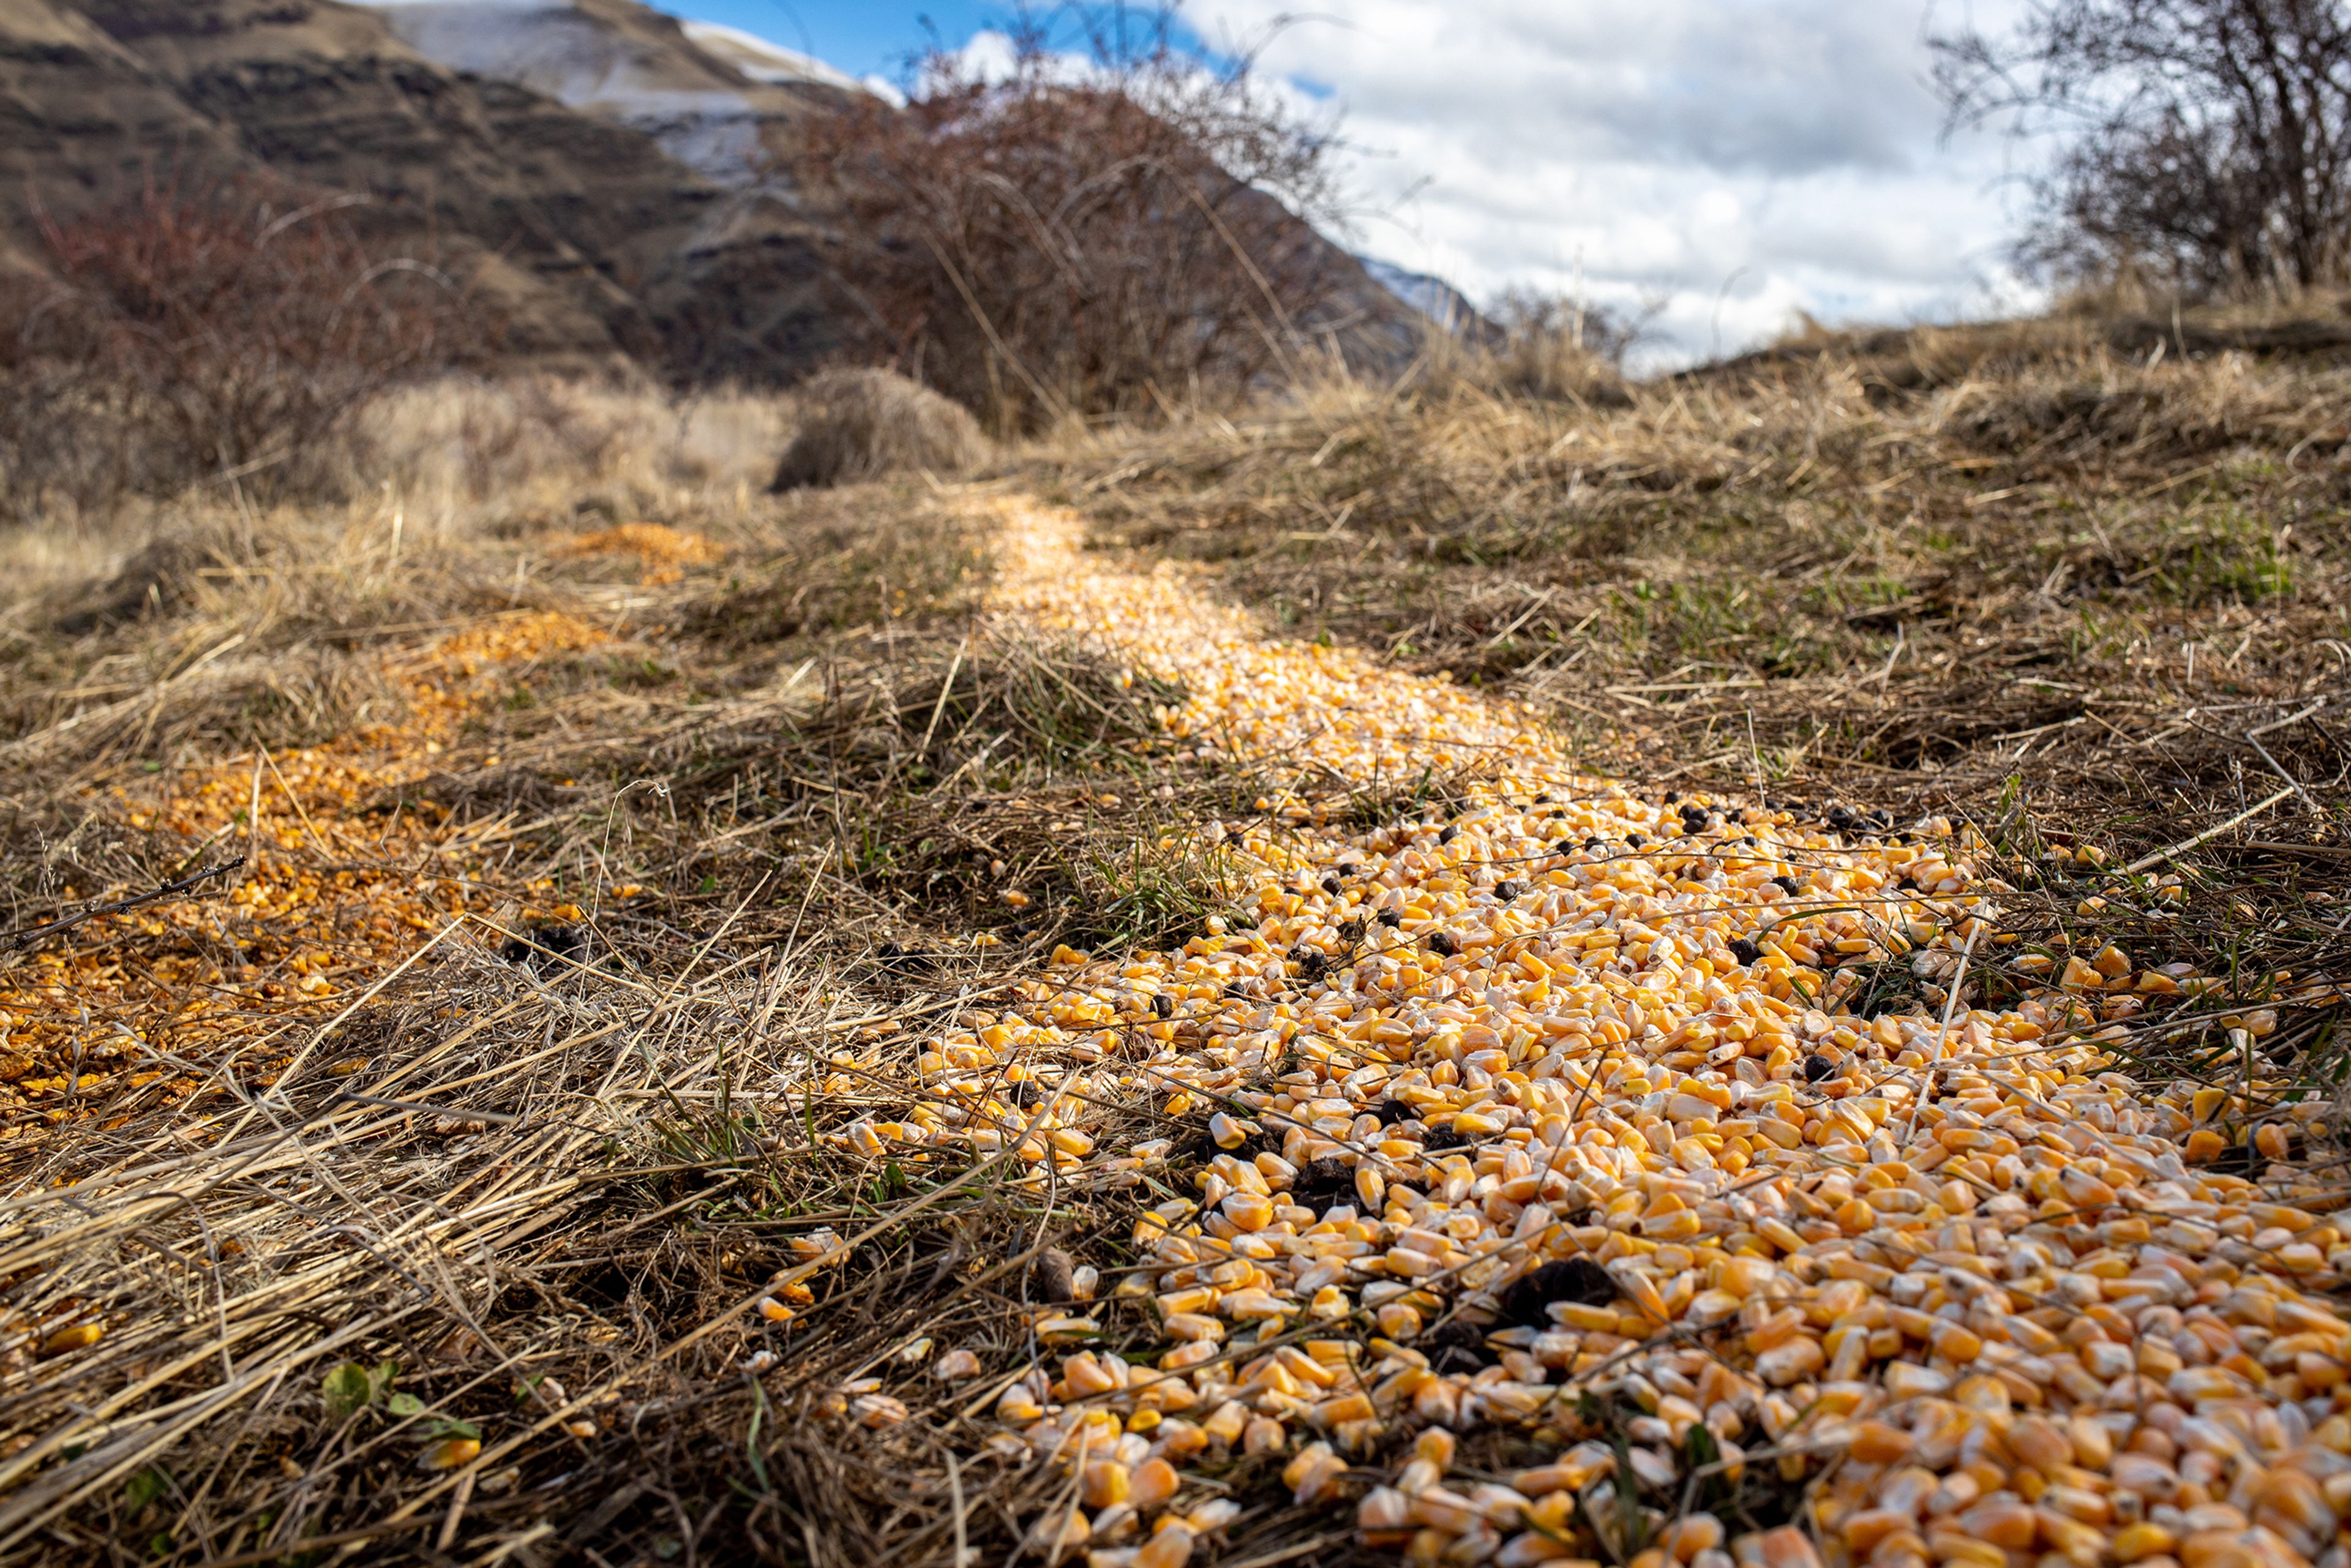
617 189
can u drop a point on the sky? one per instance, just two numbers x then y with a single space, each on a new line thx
1712 166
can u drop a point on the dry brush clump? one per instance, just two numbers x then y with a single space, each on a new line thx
860 425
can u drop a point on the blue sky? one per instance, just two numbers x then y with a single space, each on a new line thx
853 35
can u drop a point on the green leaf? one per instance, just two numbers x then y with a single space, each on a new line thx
348 1389
145 1488
455 1429
405 1405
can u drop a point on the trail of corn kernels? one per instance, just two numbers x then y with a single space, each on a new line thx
282 942
1554 1097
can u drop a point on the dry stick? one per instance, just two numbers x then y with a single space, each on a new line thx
44 1501
2289 722
2165 854
947 688
24 937
1950 1009
296 801
2281 773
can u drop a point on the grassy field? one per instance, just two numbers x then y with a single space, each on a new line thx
587 839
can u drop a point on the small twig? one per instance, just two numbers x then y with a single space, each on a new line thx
2281 773
25 936
2165 854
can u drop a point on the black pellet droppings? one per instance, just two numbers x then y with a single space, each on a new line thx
1442 945
1635 840
1671 796
1542 799
1322 1183
1164 1005
1442 1138
1333 885
1021 1093
1391 1111
1235 838
1506 891
1564 847
1907 884
1448 836
1576 1280
1351 931
1056 1276
1593 844
550 950
1349 869
1786 885
1458 1347
1817 1068
1746 952
1389 918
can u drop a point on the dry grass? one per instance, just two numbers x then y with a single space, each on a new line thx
704 883
1888 560
860 424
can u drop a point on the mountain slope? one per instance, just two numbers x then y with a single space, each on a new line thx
81 114
589 239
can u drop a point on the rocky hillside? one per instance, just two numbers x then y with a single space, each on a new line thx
619 184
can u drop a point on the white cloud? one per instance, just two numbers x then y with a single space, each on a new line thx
1730 161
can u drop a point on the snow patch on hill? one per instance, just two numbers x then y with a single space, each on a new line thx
702 103
766 62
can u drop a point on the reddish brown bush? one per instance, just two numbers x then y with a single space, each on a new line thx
228 336
1102 232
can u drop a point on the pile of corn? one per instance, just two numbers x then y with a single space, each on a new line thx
292 932
1552 1096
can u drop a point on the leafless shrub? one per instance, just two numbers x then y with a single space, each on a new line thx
1074 242
2213 147
863 423
229 335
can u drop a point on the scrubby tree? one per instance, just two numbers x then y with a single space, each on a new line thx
2205 141
1108 223
227 333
